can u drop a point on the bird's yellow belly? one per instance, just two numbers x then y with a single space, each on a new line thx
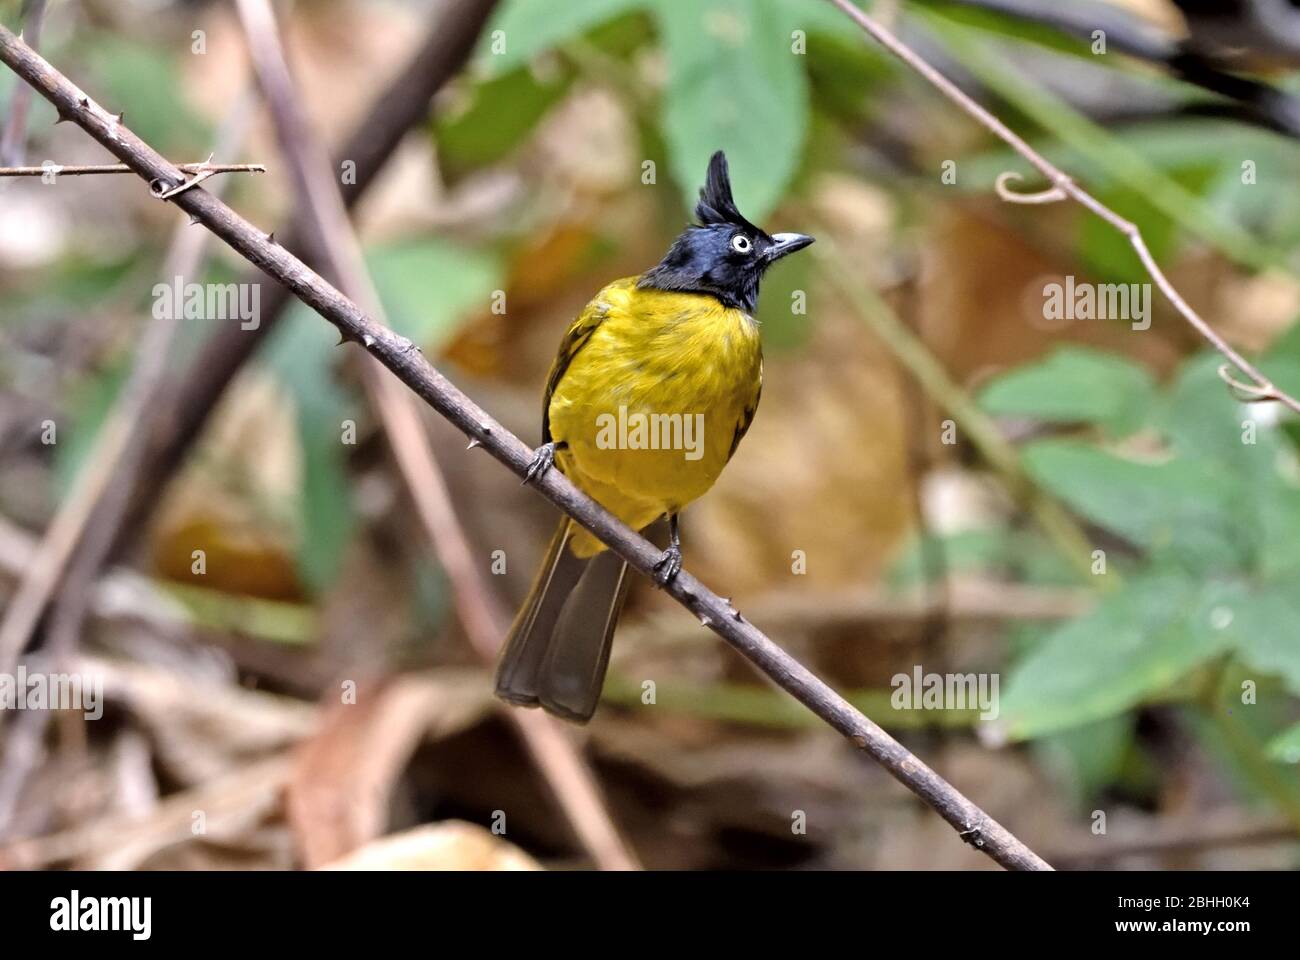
649 407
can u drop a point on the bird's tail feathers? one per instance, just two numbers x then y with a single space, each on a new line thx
558 647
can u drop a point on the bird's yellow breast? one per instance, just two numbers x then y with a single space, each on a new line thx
653 398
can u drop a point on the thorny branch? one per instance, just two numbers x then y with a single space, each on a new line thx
480 612
78 538
113 462
1063 187
402 105
401 356
174 410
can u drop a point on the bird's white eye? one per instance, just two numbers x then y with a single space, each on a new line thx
740 243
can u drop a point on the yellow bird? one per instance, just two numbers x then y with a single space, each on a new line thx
654 386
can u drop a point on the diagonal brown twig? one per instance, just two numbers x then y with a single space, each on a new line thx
172 418
1063 188
402 105
479 610
401 356
86 520
110 466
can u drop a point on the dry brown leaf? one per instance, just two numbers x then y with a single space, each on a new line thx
223 810
338 798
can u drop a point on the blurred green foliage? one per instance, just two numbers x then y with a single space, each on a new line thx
427 286
733 86
136 72
1075 385
1201 527
1206 521
737 81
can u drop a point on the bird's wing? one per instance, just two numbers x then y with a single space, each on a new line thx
575 338
747 417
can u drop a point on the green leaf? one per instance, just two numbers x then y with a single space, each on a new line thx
301 353
1091 757
1182 506
521 29
847 79
1264 626
138 78
1277 521
1199 417
1282 362
428 286
1286 746
1105 252
736 85
824 19
326 505
1137 641
1204 425
493 118
92 400
1074 385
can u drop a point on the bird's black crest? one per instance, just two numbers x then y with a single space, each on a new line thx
716 204
712 256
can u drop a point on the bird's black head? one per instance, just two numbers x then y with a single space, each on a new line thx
724 255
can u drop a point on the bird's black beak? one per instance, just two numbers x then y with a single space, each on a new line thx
784 244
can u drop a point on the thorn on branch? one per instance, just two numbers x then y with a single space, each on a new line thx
474 443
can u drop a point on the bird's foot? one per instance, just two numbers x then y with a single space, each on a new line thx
543 460
668 565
